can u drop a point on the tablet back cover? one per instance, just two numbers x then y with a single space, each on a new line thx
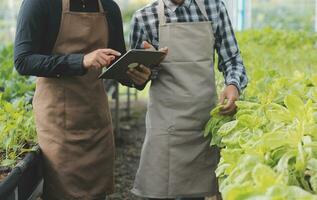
132 59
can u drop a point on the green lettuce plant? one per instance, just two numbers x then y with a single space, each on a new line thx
269 148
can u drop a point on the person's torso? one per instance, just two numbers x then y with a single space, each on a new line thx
188 12
54 14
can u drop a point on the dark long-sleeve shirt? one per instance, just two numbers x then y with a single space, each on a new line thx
37 31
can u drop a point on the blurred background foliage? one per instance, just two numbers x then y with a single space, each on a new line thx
277 14
284 14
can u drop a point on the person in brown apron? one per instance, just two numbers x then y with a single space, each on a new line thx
176 160
71 112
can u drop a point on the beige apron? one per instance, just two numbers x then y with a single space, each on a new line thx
72 117
176 160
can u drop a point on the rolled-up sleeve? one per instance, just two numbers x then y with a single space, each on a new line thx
30 35
137 35
230 60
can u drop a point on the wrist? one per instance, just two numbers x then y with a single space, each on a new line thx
74 64
84 63
236 85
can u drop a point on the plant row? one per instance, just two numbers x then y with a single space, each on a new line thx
269 148
17 130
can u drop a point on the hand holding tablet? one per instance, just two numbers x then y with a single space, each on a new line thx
132 59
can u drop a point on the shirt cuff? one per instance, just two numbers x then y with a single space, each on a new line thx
140 87
75 64
235 83
155 72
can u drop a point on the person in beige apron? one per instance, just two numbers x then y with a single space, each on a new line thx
72 115
176 160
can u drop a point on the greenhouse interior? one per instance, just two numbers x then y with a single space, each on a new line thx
158 99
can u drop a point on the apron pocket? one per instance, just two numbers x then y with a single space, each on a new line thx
84 118
86 108
48 105
159 114
191 114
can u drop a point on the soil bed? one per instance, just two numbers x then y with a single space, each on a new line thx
129 144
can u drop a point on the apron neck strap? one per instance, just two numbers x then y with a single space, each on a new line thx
202 8
161 13
66 6
161 10
101 9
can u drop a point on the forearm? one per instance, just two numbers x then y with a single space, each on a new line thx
234 72
230 60
50 65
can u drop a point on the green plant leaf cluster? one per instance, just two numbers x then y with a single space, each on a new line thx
17 129
269 148
12 85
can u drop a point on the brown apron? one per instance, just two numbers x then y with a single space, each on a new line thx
176 160
73 119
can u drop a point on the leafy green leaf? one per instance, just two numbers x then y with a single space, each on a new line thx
227 128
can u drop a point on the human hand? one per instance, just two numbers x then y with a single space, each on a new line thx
155 69
139 75
231 94
99 58
149 46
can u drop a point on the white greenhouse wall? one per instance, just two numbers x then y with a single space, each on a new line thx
240 12
316 16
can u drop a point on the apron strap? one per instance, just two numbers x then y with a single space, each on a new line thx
161 11
202 7
66 6
101 9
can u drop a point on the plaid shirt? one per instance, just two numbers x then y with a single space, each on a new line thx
145 24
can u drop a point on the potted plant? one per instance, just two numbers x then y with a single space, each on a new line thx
20 158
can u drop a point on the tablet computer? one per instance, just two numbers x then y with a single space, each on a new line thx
133 58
